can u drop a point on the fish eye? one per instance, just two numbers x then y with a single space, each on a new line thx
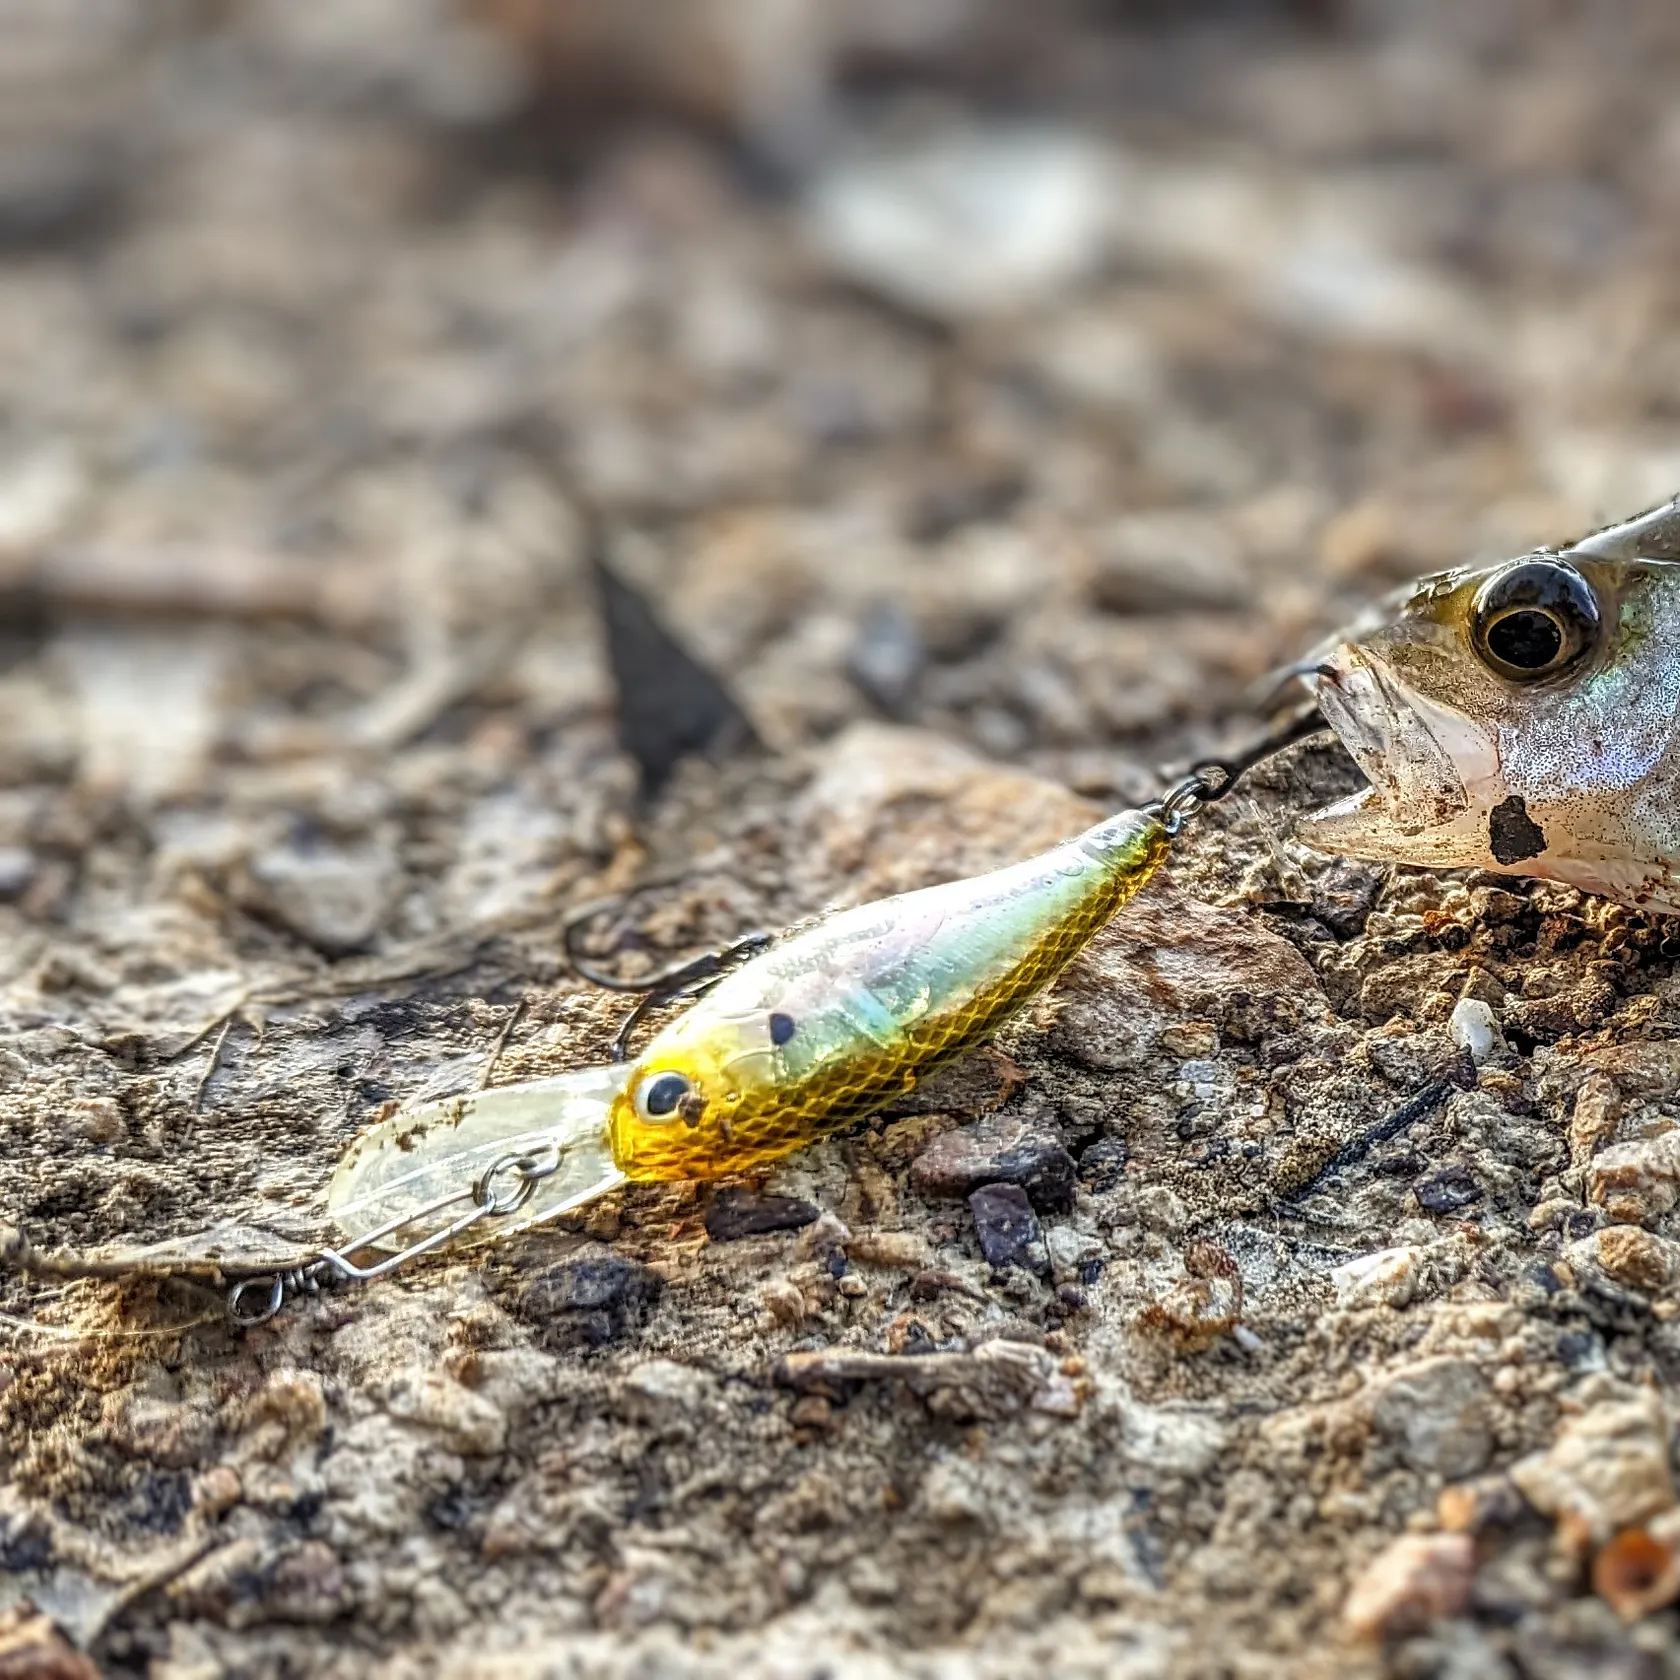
1534 619
657 1097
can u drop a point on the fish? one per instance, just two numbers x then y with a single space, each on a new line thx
825 1027
1521 718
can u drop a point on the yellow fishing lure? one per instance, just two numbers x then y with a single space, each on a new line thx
826 1026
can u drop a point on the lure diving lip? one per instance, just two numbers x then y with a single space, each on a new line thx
404 1165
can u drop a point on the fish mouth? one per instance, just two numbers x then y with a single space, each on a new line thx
1430 768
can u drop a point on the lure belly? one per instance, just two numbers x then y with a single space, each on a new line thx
824 1028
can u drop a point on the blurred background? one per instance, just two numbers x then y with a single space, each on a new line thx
1042 375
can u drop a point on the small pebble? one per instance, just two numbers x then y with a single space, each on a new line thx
1388 1277
1634 1257
1635 1181
783 1301
17 870
335 898
887 657
1446 1190
1070 1248
1475 1029
1006 1224
1607 1470
1344 897
665 1392
1028 207
1412 1583
996 1151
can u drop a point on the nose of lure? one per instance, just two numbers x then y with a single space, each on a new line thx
406 1175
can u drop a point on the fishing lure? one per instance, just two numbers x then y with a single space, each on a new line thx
811 1032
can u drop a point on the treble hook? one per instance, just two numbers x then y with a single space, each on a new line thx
685 980
335 1265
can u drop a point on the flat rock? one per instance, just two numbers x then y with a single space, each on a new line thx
1028 206
589 1302
1170 959
333 897
998 1150
1436 1412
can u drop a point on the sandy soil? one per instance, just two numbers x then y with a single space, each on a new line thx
992 405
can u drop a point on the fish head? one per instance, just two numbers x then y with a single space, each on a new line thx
1520 717
699 1099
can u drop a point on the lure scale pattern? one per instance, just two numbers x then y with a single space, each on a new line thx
879 998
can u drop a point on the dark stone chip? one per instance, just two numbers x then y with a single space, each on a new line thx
1344 897
451 1510
1580 1350
1398 1163
958 1163
1446 1190
1580 1222
1006 1224
1102 1163
24 1544
669 704
161 1502
588 1303
745 1213
887 657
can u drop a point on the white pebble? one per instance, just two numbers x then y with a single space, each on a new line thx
1387 1277
1474 1028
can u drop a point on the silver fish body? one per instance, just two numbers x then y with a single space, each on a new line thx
1522 717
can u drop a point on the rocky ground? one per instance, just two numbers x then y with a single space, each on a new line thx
1292 1292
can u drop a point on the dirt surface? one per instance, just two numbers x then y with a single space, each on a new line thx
992 404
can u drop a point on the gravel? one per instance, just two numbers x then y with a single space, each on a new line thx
324 333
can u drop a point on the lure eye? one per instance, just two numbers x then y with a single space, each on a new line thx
658 1097
1534 620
